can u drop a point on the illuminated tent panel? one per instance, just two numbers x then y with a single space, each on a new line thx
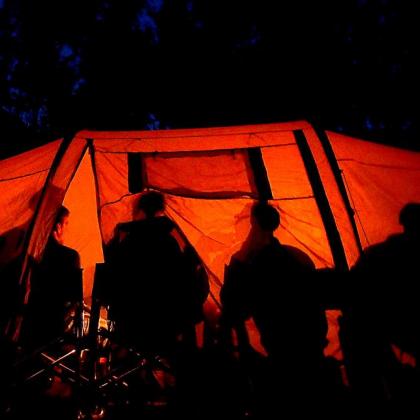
83 231
22 179
301 223
380 180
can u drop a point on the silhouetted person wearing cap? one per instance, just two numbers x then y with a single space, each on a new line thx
56 286
158 296
385 313
271 282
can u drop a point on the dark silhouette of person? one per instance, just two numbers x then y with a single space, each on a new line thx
161 282
271 282
56 285
384 312
11 260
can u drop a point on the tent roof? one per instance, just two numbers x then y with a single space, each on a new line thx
196 132
355 159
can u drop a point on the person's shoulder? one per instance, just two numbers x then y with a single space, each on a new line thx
69 251
160 223
123 226
165 223
69 254
130 226
239 257
238 260
58 255
299 256
389 246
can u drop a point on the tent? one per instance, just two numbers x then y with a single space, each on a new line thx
336 194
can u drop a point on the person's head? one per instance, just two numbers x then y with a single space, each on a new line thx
60 223
265 216
410 219
151 203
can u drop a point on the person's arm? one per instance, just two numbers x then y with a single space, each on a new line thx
236 305
76 279
113 246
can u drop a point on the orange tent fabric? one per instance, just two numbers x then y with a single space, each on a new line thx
211 177
22 179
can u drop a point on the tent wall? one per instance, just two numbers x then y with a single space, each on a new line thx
61 174
83 230
22 179
380 180
301 223
193 166
62 170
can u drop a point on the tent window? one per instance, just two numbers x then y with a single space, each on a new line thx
216 174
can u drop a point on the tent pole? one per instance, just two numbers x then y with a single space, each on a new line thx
95 178
321 199
326 144
260 174
136 182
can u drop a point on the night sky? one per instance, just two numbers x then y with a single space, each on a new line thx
348 66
